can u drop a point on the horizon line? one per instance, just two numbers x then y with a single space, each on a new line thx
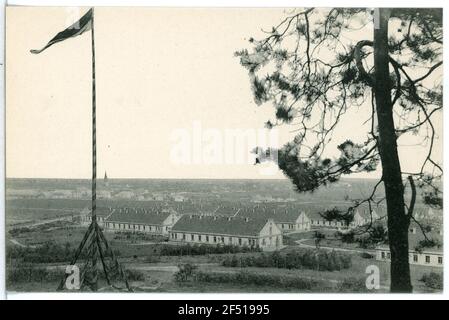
156 178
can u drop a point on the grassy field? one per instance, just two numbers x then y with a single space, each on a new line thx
159 275
162 280
159 270
25 217
357 270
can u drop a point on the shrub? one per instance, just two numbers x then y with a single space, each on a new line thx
138 236
134 275
257 279
27 273
346 237
202 249
351 285
433 280
366 255
185 272
47 253
308 259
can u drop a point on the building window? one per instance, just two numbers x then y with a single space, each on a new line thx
183 236
192 237
388 255
440 260
383 255
240 241
222 239
199 237
415 258
215 239
427 259
207 238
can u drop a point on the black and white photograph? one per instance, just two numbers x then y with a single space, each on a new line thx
225 150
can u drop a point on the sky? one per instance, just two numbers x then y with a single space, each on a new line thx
171 95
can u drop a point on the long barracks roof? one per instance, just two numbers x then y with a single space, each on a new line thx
279 215
314 211
219 225
100 211
139 216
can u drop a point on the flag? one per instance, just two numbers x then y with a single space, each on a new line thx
82 25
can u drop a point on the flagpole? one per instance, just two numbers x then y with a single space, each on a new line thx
94 129
94 285
94 240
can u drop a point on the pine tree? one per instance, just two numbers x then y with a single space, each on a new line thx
318 64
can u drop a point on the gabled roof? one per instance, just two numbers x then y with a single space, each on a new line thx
279 215
314 215
226 210
139 216
314 211
416 236
219 225
100 211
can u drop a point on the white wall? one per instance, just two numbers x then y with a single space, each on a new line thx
384 255
270 236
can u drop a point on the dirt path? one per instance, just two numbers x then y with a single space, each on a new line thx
17 243
66 217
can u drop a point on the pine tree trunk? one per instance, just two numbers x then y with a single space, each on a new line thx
398 221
